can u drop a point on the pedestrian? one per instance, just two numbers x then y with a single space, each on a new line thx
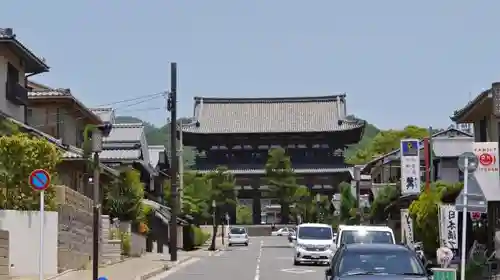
273 227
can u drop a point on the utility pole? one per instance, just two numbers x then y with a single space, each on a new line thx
357 179
172 107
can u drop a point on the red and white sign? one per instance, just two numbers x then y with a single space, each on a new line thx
487 174
487 156
475 216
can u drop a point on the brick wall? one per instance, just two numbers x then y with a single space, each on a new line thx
4 254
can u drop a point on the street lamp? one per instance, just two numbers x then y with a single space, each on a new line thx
318 200
95 134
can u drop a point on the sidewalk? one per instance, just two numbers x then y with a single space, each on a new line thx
130 269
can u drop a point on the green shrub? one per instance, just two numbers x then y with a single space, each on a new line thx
126 243
199 236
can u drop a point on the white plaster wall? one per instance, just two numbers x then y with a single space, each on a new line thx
24 229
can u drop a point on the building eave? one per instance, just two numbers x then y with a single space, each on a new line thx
33 64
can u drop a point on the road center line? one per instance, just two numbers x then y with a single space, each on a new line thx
257 268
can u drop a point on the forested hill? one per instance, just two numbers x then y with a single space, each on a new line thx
160 136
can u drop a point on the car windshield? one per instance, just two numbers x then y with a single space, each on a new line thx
369 236
238 231
379 262
315 233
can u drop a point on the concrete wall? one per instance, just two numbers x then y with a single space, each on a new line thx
138 246
4 254
24 241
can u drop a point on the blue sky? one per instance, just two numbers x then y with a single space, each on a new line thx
400 62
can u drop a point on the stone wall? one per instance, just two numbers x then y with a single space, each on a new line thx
111 249
75 229
4 255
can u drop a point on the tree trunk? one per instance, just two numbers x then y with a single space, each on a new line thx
285 213
214 237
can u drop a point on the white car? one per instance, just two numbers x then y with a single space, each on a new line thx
280 232
238 235
314 244
365 234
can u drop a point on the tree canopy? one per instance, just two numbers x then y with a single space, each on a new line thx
20 154
385 142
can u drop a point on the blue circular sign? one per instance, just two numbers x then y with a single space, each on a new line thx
102 278
39 180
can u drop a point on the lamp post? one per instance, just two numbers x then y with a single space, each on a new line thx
318 200
93 135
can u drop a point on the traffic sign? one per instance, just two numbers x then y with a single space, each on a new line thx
475 216
472 162
102 278
39 180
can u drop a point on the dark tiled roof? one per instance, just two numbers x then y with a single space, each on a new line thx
271 115
33 64
460 112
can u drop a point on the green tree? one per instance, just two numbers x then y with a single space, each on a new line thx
196 196
424 212
302 204
385 196
244 215
387 141
20 154
123 198
347 203
281 180
222 184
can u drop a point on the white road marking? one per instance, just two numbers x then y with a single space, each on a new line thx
174 269
297 270
257 269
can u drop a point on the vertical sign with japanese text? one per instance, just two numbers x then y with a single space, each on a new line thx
449 226
407 227
486 174
410 166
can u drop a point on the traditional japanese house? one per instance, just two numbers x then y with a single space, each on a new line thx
239 132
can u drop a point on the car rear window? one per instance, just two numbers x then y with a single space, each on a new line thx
238 231
366 236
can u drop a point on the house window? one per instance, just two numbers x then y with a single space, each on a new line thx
12 74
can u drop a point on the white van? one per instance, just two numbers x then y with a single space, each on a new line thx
314 243
365 234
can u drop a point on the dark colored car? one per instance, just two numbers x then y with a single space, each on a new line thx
376 261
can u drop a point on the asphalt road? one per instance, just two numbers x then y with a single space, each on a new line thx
266 258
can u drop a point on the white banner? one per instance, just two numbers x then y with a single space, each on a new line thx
410 166
487 175
407 227
449 226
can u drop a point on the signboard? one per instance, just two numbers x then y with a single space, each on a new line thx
487 175
39 180
410 166
449 226
475 216
444 274
477 180
407 227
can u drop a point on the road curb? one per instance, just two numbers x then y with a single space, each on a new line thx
162 269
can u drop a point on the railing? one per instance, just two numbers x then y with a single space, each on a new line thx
16 93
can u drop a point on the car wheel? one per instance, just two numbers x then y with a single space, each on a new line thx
229 244
246 244
296 262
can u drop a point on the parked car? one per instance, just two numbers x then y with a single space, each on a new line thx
280 232
376 261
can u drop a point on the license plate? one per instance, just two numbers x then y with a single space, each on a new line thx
315 256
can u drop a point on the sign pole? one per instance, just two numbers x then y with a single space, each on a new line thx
464 220
42 214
